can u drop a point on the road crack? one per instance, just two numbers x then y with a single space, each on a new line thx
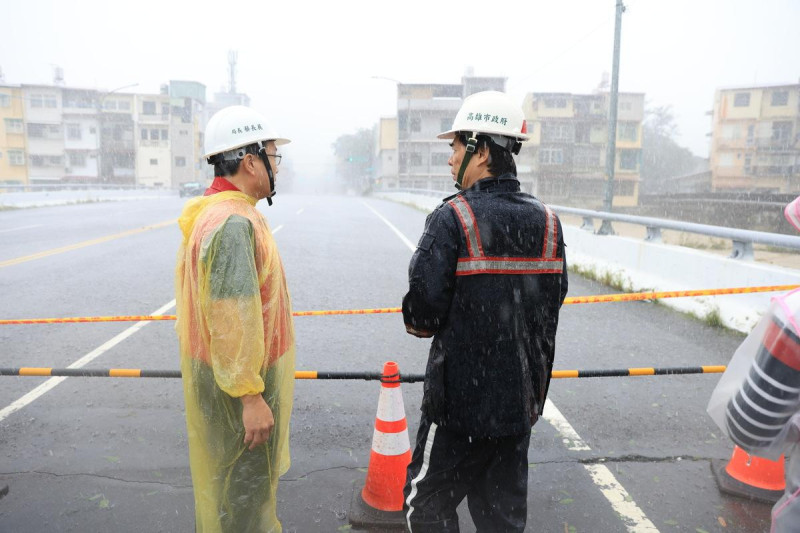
99 476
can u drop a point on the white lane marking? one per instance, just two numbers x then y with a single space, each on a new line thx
391 227
569 436
276 230
633 517
88 358
300 211
21 227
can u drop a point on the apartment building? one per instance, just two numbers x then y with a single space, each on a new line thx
385 156
565 159
153 150
187 126
423 111
81 135
755 139
13 146
44 128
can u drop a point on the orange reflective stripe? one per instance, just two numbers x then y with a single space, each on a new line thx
469 225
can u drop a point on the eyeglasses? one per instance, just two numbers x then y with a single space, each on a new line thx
276 156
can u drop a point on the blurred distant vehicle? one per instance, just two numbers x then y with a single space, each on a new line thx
191 188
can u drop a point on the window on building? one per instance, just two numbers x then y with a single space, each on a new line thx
124 105
36 100
77 160
144 134
415 159
148 108
16 158
5 100
779 98
439 159
625 106
586 158
180 161
750 132
154 134
555 101
741 100
154 162
74 132
93 130
628 159
583 133
446 124
557 131
50 101
781 131
627 131
416 124
164 134
184 132
37 131
551 156
14 125
165 109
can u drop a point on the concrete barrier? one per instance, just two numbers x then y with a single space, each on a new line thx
66 197
638 265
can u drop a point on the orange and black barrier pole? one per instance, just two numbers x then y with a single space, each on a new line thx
367 376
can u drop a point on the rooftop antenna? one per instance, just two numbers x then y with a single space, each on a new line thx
58 75
232 57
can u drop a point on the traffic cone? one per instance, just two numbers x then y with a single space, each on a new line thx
750 476
379 501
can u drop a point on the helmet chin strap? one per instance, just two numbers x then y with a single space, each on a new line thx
265 159
472 142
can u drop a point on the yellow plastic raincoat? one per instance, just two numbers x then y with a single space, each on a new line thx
236 338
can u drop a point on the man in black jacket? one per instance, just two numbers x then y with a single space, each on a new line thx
486 282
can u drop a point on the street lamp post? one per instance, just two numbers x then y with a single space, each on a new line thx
100 121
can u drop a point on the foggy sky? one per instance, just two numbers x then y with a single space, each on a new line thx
310 65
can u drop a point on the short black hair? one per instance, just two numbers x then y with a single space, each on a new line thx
500 160
230 167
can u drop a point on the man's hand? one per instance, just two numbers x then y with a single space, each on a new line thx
418 332
257 419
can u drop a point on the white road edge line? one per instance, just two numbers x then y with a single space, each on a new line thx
88 358
299 211
633 517
391 227
20 228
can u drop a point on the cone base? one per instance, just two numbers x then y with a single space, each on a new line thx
363 515
729 485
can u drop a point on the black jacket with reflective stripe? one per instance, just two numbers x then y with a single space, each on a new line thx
488 279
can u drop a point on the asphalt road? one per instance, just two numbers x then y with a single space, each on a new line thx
110 454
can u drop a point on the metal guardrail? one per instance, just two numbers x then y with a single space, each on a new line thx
14 187
743 240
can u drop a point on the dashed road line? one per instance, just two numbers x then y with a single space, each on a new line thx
632 516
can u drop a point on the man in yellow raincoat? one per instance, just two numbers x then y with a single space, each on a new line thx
235 331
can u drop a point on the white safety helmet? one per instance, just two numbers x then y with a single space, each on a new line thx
490 113
236 127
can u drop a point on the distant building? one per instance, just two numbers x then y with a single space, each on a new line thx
117 144
153 150
385 156
44 130
423 111
81 135
187 131
755 139
565 159
13 145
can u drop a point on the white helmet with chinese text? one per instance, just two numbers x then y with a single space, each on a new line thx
235 131
489 113
235 127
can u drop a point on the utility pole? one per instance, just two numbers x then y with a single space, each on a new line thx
611 149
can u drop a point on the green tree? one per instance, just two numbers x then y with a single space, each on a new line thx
662 156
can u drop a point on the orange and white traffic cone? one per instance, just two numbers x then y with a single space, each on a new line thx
380 501
751 477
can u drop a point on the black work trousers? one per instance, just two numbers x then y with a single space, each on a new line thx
492 473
